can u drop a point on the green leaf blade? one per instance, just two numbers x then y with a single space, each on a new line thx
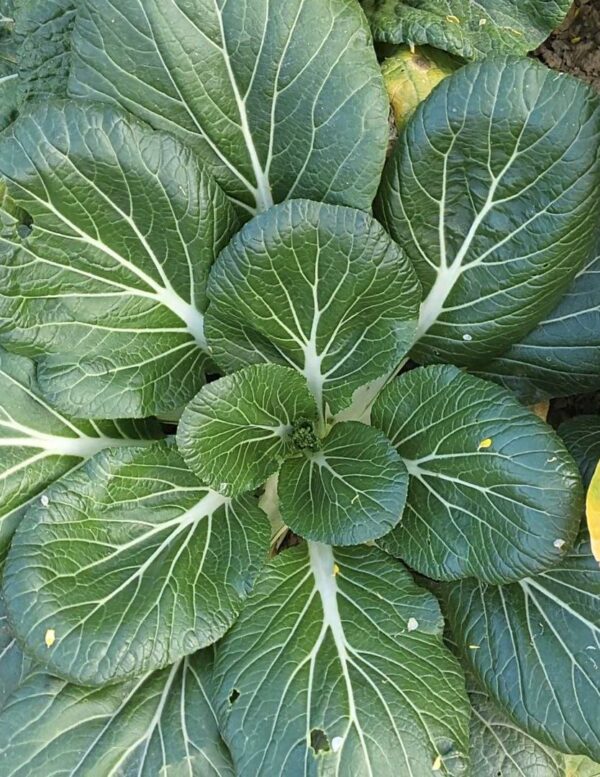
236 432
344 664
130 577
493 493
351 490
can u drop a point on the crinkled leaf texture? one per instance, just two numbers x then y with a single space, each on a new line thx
535 646
14 664
581 435
337 666
160 724
132 563
470 29
492 487
281 99
237 430
493 192
561 356
107 284
38 444
350 490
318 287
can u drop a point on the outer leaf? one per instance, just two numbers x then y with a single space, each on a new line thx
133 564
109 280
326 673
14 664
580 766
161 724
493 493
498 747
535 645
236 432
318 287
45 27
561 356
8 99
592 511
470 29
493 192
38 444
283 100
351 490
581 435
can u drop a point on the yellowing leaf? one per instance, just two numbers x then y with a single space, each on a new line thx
541 409
593 512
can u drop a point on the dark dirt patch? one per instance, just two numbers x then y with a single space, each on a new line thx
575 47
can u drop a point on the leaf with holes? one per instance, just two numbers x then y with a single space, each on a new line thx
492 488
317 287
236 432
350 489
470 29
282 100
493 192
38 444
535 647
107 282
162 723
134 564
337 665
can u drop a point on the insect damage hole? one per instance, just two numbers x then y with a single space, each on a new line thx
234 696
319 741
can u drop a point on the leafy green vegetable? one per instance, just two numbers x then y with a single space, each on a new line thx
582 437
470 29
284 101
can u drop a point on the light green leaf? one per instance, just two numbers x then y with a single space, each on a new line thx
493 192
580 766
44 58
350 490
161 724
132 564
283 100
38 444
493 492
319 287
535 646
498 747
470 29
336 666
107 284
581 435
561 356
236 432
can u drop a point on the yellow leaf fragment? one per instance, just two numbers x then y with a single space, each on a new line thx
487 443
541 409
592 510
453 19
474 647
50 637
482 22
437 764
336 570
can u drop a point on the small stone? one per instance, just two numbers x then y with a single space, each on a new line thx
336 743
413 624
559 544
467 337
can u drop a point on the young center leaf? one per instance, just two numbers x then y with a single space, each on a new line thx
535 647
493 492
337 666
350 489
161 723
561 356
236 432
472 30
493 192
282 99
38 444
105 281
321 288
131 564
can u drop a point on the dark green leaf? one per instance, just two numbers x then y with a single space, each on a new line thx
535 646
470 29
161 724
14 664
38 444
352 489
493 191
132 564
493 493
107 284
319 287
236 432
283 100
337 666
581 435
8 99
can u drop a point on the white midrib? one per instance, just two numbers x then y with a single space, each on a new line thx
314 375
83 447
